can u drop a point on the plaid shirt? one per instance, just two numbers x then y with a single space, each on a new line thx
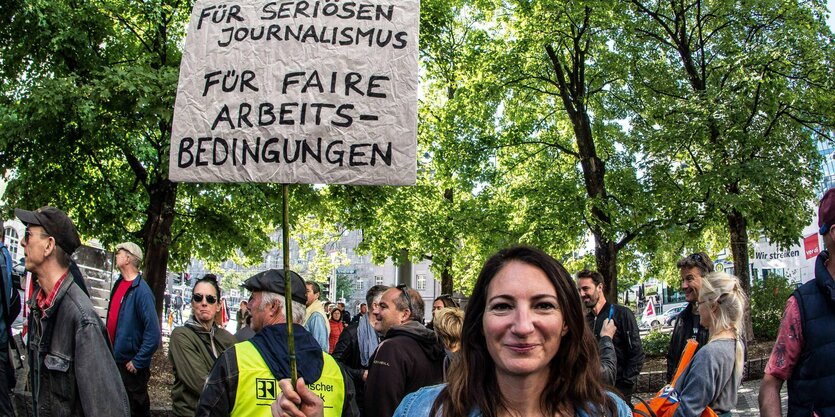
45 300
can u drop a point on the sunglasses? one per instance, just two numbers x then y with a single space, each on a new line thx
198 298
696 257
28 233
404 288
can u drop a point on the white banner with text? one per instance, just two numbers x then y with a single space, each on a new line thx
314 92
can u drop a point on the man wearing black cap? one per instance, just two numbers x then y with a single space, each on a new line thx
805 343
72 371
244 380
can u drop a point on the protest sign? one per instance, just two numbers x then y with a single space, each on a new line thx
315 92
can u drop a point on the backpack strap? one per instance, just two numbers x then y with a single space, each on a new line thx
645 411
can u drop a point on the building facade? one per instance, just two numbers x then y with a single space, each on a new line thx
348 282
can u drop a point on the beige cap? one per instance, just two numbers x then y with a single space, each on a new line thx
131 248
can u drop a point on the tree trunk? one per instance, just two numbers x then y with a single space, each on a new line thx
606 256
594 173
404 269
446 273
157 237
738 227
446 278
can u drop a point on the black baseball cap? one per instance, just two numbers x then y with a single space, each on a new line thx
56 224
272 280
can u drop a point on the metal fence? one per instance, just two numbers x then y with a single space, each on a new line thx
652 381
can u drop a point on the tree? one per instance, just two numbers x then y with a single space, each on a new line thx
433 219
738 96
344 285
735 102
85 118
563 147
317 241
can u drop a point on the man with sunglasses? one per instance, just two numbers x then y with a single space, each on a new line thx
71 369
409 357
686 326
133 327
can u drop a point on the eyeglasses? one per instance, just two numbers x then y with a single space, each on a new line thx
198 298
28 234
405 289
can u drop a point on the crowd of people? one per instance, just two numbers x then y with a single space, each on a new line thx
533 340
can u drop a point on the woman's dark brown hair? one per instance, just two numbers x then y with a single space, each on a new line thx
336 311
209 279
574 379
447 300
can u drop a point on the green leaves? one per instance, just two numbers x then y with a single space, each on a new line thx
641 126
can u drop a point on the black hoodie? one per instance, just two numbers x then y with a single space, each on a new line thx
410 357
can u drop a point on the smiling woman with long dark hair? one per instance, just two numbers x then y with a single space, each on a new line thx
525 351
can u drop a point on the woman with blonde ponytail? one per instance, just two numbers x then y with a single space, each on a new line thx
713 376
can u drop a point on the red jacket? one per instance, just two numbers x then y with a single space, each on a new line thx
336 330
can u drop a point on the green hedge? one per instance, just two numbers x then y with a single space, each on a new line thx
655 344
768 299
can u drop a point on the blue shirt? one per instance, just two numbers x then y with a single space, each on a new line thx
419 403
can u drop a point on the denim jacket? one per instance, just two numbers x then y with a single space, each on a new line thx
72 371
419 403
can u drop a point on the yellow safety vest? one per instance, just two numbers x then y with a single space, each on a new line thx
258 388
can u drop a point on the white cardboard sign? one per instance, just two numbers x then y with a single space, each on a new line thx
315 92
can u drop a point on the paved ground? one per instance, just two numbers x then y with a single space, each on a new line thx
746 405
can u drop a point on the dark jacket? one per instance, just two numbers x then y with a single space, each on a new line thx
409 357
193 351
347 354
686 327
608 359
71 369
137 328
6 319
244 334
220 392
813 378
627 342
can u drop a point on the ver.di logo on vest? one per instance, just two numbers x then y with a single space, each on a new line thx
265 389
